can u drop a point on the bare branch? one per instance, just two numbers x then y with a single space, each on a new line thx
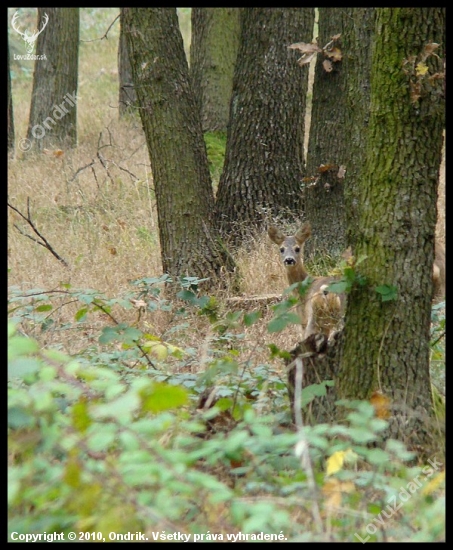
106 32
43 241
80 170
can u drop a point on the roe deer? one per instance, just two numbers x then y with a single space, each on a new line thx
320 311
439 273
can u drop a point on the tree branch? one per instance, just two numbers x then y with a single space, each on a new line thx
44 242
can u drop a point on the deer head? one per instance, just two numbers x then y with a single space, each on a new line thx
320 311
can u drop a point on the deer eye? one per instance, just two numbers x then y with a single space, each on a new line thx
282 249
297 249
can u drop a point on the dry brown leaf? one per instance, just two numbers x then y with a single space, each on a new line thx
341 172
333 489
309 50
305 48
381 404
325 167
334 54
327 65
306 59
138 303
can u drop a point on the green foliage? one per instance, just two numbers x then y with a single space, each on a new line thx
116 438
387 292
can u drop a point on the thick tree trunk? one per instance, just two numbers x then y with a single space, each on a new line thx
213 52
387 342
341 86
189 241
263 168
53 111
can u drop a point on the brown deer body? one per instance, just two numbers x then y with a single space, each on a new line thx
320 311
439 273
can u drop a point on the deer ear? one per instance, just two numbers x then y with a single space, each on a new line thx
303 233
275 235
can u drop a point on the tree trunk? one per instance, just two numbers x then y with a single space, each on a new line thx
127 95
387 342
264 154
189 241
213 52
341 85
11 138
53 111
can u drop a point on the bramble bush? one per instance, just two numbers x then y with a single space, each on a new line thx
116 437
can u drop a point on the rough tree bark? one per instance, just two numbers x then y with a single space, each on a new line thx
127 100
11 137
387 342
264 153
213 52
341 86
53 111
190 244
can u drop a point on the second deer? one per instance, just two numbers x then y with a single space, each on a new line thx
320 311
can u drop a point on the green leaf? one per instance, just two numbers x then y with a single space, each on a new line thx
251 318
44 307
387 292
22 366
162 397
279 323
108 335
81 314
19 345
377 456
339 287
81 419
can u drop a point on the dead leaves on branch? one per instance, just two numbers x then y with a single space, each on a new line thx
331 51
421 82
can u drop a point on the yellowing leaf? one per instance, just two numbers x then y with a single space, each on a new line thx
161 349
160 396
335 462
434 483
333 489
72 472
421 69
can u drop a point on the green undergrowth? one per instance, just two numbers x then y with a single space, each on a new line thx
139 432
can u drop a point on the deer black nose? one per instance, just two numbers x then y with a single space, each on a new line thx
289 261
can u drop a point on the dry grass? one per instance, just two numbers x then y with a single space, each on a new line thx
103 221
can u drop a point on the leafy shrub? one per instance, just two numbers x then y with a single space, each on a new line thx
117 439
